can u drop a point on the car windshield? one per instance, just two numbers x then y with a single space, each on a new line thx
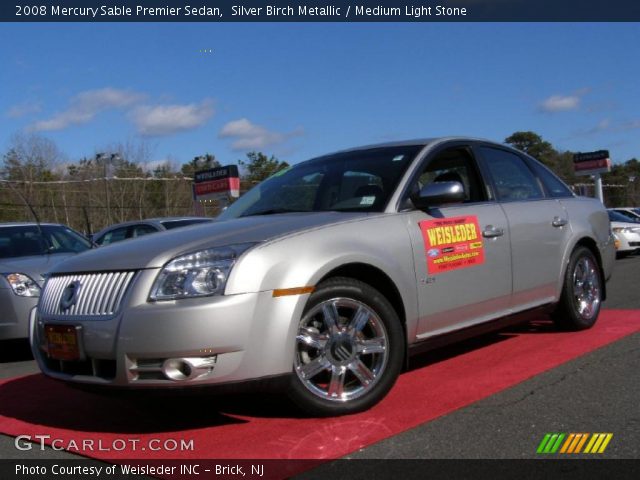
28 240
360 180
171 224
616 216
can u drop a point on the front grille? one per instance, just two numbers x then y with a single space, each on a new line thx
99 294
634 244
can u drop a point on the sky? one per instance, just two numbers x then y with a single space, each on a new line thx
303 89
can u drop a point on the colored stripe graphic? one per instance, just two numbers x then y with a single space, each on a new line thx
543 443
574 442
598 442
581 443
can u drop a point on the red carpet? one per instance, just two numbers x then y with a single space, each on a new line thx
261 427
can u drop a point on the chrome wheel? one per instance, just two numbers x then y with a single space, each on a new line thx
341 349
586 288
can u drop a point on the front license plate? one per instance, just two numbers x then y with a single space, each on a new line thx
62 342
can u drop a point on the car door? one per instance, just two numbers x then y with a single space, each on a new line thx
461 252
538 227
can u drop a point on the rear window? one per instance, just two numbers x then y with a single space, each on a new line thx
513 180
552 184
171 224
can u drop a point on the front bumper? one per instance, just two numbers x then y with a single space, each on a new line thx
189 342
14 314
629 242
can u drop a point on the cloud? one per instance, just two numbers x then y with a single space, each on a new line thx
606 125
602 126
250 136
160 120
86 105
560 103
630 125
22 110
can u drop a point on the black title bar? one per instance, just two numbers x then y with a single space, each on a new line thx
320 11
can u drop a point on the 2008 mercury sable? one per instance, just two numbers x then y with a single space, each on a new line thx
330 273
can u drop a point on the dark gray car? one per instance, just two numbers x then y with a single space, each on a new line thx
27 252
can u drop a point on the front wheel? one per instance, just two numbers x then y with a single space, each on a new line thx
581 298
349 349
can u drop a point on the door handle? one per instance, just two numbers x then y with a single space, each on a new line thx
491 232
559 222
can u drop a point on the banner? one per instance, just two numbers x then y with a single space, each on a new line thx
452 243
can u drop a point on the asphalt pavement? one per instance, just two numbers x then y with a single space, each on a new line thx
597 392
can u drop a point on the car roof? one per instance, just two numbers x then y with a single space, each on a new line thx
421 142
155 220
30 224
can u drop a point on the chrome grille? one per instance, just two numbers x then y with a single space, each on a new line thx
99 294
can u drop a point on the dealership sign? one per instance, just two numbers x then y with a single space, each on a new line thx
590 163
217 183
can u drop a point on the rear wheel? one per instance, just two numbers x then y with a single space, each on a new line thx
581 298
349 349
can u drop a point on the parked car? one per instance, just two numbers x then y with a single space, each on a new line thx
138 228
329 274
627 231
27 252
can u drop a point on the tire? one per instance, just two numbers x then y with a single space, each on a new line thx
581 297
349 349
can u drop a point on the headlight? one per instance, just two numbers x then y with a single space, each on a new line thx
622 230
197 274
22 285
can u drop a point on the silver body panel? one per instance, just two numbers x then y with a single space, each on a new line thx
248 333
15 310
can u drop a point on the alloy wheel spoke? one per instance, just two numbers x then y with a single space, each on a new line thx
314 367
336 384
371 345
362 372
359 320
312 338
330 316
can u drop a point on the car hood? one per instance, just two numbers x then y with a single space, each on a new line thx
34 266
632 225
153 251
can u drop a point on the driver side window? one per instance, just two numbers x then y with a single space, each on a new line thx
454 165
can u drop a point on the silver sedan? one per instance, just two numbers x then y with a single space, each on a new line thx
330 273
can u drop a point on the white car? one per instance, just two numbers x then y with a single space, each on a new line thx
631 213
626 231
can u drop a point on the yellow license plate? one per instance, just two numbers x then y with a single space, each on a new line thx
62 342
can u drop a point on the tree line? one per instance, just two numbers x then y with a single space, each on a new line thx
120 183
115 185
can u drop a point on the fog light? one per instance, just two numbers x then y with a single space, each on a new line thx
179 369
176 369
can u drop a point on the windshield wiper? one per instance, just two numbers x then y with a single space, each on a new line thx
273 211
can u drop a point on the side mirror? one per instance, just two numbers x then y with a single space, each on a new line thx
438 193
